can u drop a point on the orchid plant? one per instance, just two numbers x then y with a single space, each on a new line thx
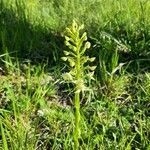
79 69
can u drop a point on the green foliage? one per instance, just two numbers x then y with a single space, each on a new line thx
36 112
5 146
32 115
33 28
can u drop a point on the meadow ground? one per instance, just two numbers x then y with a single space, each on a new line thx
37 109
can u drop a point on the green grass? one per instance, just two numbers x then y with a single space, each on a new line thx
36 103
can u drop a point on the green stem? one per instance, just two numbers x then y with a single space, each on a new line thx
77 121
77 105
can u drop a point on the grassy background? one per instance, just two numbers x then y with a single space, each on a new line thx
34 25
36 109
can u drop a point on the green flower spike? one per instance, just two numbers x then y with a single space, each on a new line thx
77 45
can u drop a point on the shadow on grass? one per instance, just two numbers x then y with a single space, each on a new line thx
22 40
